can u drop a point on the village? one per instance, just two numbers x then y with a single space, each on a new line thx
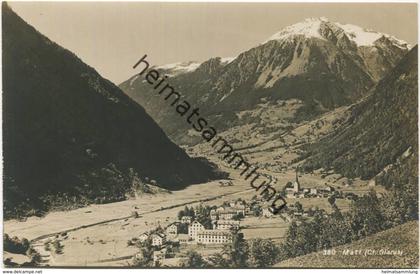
212 227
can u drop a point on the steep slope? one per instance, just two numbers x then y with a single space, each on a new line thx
69 133
403 238
382 134
321 63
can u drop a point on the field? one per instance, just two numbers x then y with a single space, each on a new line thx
98 234
260 227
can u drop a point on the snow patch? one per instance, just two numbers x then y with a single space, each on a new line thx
181 66
399 43
227 60
362 37
133 79
366 37
309 28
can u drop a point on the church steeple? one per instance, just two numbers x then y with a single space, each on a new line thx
296 186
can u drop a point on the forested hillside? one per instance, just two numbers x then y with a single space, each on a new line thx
71 135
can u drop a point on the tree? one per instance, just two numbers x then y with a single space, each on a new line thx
194 260
203 216
263 253
256 210
15 245
237 251
183 228
180 214
331 200
219 260
145 256
58 247
288 185
300 239
238 217
186 212
47 246
299 207
366 217
34 255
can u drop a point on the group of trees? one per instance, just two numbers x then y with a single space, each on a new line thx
145 256
368 215
17 246
238 216
194 260
200 213
187 211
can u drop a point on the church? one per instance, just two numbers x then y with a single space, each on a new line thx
291 191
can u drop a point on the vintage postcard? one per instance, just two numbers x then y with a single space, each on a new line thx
210 135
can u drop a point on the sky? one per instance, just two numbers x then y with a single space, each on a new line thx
113 36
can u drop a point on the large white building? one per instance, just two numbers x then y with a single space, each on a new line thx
227 213
226 224
214 236
194 228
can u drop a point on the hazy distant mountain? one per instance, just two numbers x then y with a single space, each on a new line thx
70 133
321 63
381 137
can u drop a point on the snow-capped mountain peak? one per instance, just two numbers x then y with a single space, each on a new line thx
315 27
309 28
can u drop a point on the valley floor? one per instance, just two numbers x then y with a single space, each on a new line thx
97 235
100 232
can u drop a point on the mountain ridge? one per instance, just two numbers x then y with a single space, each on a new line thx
322 73
71 133
382 128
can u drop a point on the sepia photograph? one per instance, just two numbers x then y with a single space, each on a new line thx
209 135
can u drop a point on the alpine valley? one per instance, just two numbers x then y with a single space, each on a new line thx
99 175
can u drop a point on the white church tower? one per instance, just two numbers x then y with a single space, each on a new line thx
296 186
